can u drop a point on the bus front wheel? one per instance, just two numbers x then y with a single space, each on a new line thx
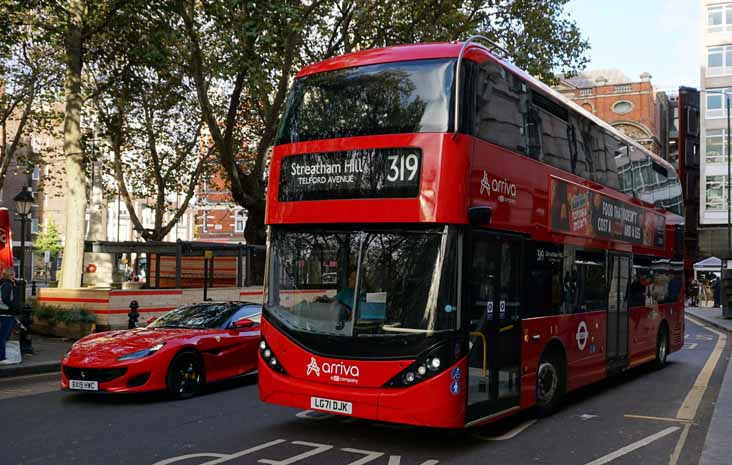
549 384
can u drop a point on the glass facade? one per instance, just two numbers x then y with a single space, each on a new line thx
716 193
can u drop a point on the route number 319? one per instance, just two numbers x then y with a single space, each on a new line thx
402 168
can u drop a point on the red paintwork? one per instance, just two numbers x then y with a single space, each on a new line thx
452 169
416 405
233 354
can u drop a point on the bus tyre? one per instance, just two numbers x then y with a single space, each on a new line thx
185 375
661 348
549 384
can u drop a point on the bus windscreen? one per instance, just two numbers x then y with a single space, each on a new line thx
388 98
363 284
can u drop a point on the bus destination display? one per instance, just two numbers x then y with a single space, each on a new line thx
352 174
580 211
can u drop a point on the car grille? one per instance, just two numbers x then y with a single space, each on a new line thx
101 375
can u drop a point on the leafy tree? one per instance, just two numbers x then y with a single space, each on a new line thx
151 122
48 240
28 89
80 29
243 55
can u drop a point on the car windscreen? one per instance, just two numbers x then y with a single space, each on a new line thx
386 98
197 316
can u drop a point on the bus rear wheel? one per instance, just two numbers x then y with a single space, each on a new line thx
661 348
549 385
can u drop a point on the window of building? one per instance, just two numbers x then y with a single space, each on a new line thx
36 173
716 193
622 107
34 226
585 92
218 227
717 102
623 88
204 223
719 60
719 18
716 146
240 221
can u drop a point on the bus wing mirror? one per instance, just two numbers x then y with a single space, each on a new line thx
479 215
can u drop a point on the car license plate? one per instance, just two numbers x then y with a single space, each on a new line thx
329 405
84 385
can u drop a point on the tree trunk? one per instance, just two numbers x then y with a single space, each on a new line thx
255 232
75 173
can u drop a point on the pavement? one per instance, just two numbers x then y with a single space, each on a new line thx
48 352
718 446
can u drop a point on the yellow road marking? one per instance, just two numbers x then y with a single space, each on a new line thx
645 417
688 408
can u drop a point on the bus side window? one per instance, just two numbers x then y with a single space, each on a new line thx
500 119
555 139
544 263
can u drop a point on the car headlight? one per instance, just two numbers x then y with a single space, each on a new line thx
141 353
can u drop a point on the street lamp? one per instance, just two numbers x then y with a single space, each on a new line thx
23 205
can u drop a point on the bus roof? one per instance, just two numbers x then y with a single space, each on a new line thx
452 50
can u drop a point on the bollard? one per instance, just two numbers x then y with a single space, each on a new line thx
133 315
34 290
26 342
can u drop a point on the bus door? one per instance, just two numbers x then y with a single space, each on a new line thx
494 277
617 311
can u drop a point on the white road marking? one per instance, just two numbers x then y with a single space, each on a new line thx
686 336
370 455
702 337
220 458
317 449
635 446
397 460
509 434
680 445
587 416
690 345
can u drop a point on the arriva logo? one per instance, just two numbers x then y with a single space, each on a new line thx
338 370
313 367
505 189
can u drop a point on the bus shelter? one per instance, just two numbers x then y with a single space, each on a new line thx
165 264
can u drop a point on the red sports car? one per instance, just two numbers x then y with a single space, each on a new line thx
179 352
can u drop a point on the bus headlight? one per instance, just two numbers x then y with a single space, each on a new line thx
426 366
269 357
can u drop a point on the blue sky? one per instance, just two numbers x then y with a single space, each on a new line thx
658 36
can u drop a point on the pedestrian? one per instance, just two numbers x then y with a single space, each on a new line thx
7 308
716 288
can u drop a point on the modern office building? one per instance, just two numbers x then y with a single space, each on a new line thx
716 87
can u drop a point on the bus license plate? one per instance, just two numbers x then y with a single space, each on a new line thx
329 405
84 385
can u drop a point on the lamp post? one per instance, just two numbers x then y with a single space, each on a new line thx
23 205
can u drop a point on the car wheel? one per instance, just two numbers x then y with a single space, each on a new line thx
661 348
549 385
185 375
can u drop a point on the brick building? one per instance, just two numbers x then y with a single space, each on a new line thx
218 217
633 107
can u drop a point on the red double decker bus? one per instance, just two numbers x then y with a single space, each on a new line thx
450 241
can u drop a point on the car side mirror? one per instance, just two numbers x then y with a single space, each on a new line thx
242 323
151 320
